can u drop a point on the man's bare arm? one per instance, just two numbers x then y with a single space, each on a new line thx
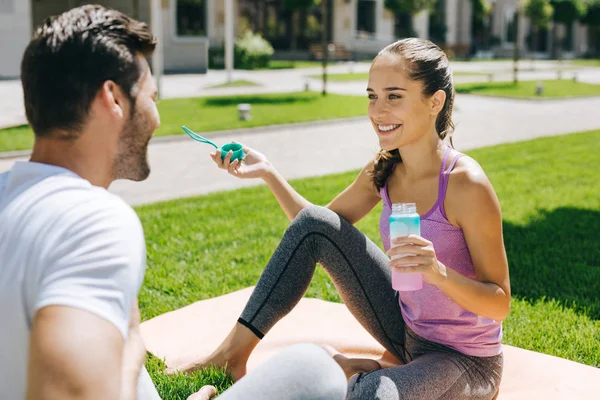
74 354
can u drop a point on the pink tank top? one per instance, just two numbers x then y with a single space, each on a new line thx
429 312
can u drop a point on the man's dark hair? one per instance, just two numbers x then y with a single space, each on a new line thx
69 59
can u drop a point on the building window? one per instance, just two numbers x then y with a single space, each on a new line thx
569 37
365 16
190 18
510 15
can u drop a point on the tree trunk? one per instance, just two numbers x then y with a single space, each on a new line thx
324 30
534 45
555 41
404 25
409 25
287 17
302 26
294 41
136 9
596 39
278 20
516 51
488 32
257 23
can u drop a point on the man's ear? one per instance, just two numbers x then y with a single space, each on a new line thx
438 99
113 99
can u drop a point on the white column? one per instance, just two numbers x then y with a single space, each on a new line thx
211 16
157 30
581 39
379 8
15 34
452 22
229 44
421 24
464 37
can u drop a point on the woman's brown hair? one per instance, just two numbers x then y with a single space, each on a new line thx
427 63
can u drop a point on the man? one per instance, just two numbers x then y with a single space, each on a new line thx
72 255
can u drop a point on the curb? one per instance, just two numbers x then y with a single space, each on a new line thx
258 129
531 99
14 154
240 131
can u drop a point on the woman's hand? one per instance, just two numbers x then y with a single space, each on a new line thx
414 254
254 164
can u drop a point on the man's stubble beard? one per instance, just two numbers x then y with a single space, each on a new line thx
131 161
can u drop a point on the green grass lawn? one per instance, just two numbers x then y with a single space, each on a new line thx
463 59
358 76
284 64
526 89
236 83
550 198
364 76
592 62
203 114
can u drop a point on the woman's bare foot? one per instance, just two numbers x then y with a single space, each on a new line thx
232 354
205 393
219 359
353 366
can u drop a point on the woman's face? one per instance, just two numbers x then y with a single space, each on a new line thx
399 113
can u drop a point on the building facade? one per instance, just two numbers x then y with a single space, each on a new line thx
363 27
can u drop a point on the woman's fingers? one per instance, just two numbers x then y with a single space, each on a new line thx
406 249
411 239
216 156
233 166
409 261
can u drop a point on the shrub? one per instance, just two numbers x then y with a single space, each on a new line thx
251 51
255 51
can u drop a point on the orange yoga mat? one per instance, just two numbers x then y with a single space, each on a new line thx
194 331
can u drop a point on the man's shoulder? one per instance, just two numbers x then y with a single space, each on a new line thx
88 206
68 201
81 196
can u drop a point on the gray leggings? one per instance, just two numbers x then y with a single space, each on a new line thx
360 272
300 372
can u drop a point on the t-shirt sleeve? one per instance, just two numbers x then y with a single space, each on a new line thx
98 263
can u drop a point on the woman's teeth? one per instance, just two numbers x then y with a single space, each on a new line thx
386 128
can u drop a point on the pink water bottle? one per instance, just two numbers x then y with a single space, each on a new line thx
405 221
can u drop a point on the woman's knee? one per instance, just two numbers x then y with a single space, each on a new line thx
372 386
317 219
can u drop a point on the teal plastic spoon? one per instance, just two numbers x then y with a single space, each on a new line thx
197 137
235 148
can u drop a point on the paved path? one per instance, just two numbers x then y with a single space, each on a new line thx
182 168
292 80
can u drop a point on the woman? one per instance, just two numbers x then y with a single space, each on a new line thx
446 336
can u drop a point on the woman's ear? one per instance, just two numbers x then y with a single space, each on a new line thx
438 99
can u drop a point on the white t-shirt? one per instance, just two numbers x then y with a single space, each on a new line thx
63 242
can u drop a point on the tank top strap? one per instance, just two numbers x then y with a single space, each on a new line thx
445 179
383 193
441 178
